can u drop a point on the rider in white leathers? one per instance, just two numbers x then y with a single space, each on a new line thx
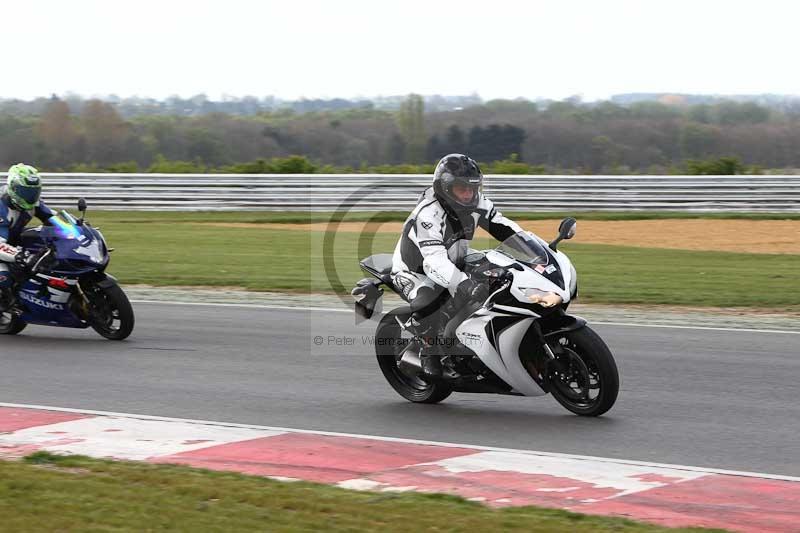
430 253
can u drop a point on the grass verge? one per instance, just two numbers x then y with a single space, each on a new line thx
53 493
154 250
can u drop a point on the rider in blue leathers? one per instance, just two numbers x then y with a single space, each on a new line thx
19 203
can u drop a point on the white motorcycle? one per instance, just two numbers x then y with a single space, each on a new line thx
518 341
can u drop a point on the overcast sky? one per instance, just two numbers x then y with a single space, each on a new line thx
308 48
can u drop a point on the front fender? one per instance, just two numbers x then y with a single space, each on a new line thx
102 280
554 325
109 281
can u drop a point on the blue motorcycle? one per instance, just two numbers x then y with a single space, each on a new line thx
67 285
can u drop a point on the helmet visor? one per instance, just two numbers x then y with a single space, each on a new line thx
29 195
464 193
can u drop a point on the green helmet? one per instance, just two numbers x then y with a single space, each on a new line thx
24 186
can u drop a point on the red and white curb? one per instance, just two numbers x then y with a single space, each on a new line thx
668 495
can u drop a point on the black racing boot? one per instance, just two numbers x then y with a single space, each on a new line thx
426 327
7 299
429 355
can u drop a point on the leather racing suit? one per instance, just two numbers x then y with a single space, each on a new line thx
12 222
430 254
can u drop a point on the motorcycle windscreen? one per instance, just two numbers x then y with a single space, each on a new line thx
64 228
525 248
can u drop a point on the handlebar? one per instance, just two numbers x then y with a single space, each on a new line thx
41 257
32 262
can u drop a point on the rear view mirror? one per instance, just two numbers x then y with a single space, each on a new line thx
566 230
82 210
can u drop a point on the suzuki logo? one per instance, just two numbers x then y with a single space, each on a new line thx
41 303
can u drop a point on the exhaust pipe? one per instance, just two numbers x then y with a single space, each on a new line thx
410 362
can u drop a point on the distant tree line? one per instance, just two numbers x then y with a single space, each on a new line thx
247 105
518 136
297 164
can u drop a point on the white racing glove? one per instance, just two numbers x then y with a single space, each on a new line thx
15 255
8 253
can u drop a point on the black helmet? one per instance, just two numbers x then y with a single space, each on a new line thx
453 169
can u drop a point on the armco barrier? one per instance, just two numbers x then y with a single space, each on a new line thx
363 192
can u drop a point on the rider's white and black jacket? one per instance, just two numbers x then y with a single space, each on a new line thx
434 243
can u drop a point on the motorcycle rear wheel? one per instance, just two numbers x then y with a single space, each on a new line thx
584 378
389 345
10 324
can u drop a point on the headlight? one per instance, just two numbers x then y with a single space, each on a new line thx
543 298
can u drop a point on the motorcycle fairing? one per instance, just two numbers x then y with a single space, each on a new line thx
555 276
501 354
46 305
78 250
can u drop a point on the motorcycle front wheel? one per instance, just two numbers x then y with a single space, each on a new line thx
584 377
110 311
389 345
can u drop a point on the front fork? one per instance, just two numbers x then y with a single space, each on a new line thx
545 360
82 301
541 355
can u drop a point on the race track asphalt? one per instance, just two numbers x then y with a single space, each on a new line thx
717 399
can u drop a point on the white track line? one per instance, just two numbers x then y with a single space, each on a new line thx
410 441
339 310
737 330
